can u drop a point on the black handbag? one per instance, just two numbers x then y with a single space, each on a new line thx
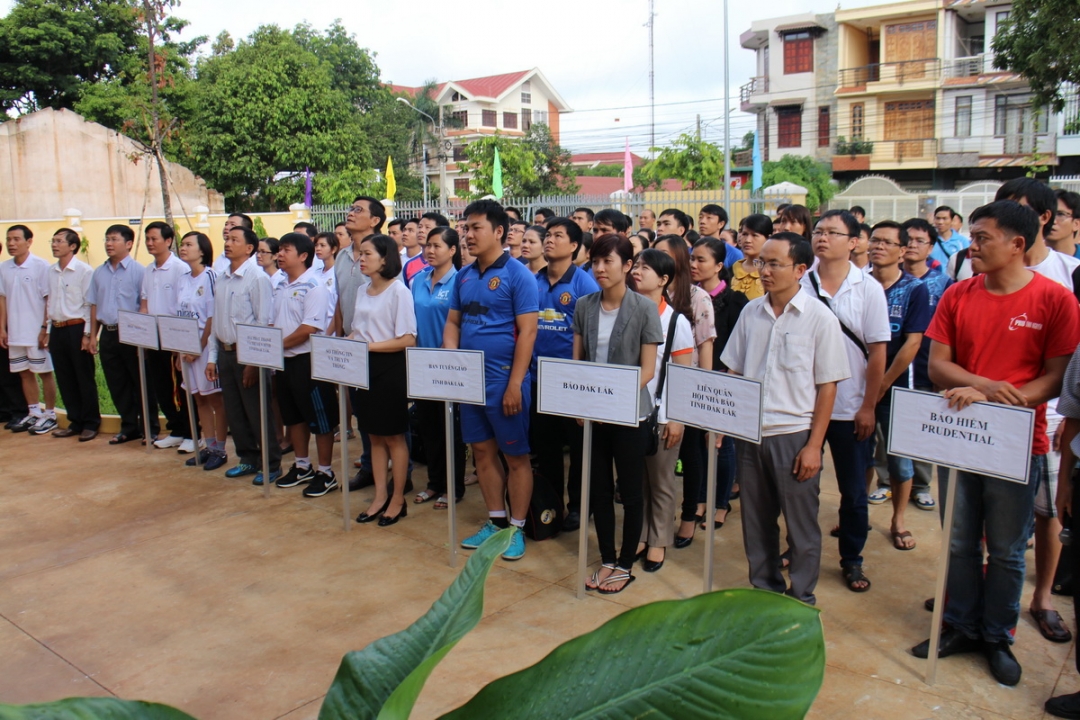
652 422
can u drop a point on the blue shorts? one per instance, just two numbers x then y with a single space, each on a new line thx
484 422
900 468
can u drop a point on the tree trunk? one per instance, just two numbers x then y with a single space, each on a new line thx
155 118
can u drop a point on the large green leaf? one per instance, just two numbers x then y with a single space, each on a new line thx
728 654
391 671
92 709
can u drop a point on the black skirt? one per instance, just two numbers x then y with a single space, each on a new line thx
384 408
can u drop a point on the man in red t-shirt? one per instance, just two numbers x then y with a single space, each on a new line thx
1005 336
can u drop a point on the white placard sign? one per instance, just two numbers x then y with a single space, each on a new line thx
260 346
714 401
984 438
446 375
590 391
138 330
180 334
339 360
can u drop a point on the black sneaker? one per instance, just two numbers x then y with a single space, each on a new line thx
295 476
321 484
363 478
24 425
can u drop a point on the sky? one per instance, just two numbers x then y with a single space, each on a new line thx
595 53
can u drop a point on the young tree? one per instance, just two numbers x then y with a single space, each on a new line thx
554 173
518 166
1039 41
814 176
689 159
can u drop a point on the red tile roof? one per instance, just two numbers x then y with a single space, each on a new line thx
491 86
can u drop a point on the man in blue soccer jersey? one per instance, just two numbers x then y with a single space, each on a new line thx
559 286
493 307
909 316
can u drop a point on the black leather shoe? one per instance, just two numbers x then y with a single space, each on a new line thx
1064 706
681 542
386 520
362 479
365 518
572 521
953 642
1003 665
652 566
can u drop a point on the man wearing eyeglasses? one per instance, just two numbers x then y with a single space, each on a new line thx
909 316
1063 237
234 220
859 304
793 345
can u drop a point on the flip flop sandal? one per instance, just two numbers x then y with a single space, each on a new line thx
853 574
423 496
620 575
441 503
596 577
1051 626
898 541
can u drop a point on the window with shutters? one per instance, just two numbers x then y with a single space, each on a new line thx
526 94
488 119
461 118
857 110
459 153
912 122
510 120
461 186
823 127
789 127
798 52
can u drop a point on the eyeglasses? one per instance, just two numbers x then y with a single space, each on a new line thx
357 210
831 233
772 265
919 242
1065 215
263 252
876 241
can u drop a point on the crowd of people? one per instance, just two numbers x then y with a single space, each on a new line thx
828 313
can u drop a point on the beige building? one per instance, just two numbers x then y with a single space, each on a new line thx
54 160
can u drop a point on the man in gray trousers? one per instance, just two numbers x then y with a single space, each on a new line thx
793 344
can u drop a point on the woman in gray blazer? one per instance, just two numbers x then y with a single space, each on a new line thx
619 327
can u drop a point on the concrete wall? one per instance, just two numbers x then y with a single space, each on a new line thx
52 160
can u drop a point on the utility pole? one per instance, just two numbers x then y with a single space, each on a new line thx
652 82
727 114
442 163
699 126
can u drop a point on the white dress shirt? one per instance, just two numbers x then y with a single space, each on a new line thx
160 283
67 291
240 298
791 354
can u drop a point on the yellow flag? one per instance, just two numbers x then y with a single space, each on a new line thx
391 183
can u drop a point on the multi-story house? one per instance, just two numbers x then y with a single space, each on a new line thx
792 91
916 96
508 104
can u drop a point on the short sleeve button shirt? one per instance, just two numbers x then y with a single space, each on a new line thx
301 302
555 327
113 289
160 284
26 288
67 291
489 303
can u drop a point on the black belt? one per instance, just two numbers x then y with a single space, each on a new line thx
227 347
111 328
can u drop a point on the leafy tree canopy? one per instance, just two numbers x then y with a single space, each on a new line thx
1039 41
814 176
695 162
531 166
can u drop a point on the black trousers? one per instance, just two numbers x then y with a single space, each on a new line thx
121 365
692 454
163 377
549 434
625 447
432 419
74 370
12 400
242 412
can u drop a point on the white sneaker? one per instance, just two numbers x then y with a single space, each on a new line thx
45 424
187 446
167 442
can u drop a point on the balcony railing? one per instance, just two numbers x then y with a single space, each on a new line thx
757 86
996 146
972 66
895 72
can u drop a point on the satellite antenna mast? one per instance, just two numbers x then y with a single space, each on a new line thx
652 81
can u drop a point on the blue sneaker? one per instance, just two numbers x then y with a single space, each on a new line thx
471 543
516 551
274 475
241 470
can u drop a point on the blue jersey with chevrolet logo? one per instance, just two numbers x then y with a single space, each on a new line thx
555 329
489 303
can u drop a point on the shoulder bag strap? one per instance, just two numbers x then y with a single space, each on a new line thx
843 328
667 355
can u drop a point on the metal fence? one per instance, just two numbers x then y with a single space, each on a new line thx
741 204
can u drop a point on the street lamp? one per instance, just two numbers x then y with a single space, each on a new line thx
438 128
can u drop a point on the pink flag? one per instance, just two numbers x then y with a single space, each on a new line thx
628 169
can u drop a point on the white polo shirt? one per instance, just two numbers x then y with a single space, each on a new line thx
160 285
791 354
301 302
26 288
67 291
860 304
